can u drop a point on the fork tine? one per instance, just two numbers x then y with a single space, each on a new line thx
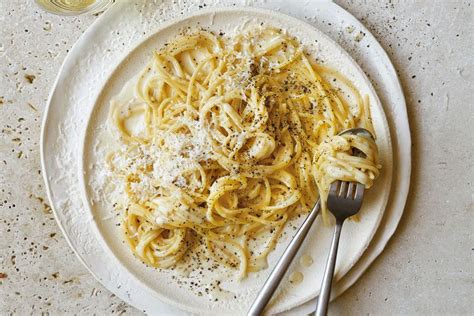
350 190
334 188
343 189
359 194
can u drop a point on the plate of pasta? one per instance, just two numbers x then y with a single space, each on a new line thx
210 143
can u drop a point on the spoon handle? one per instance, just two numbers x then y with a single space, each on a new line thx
325 294
279 271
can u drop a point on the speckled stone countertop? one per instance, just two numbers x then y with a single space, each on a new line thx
427 267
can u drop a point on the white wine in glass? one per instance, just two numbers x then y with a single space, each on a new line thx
73 7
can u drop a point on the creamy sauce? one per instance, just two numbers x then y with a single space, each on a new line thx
296 277
306 260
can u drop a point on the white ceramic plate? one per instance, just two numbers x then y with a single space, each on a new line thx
355 236
126 276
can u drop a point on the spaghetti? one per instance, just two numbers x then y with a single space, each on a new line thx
225 139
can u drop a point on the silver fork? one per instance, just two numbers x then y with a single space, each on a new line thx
344 200
278 272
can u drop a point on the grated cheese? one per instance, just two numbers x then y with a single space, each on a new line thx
179 154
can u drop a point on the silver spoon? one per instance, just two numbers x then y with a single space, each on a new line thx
279 271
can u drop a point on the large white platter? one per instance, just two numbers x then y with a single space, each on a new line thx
84 89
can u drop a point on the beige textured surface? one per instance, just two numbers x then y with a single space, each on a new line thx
427 267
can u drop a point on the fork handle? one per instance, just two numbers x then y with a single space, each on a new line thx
282 265
325 294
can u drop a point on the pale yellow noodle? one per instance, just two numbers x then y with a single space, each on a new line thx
240 135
